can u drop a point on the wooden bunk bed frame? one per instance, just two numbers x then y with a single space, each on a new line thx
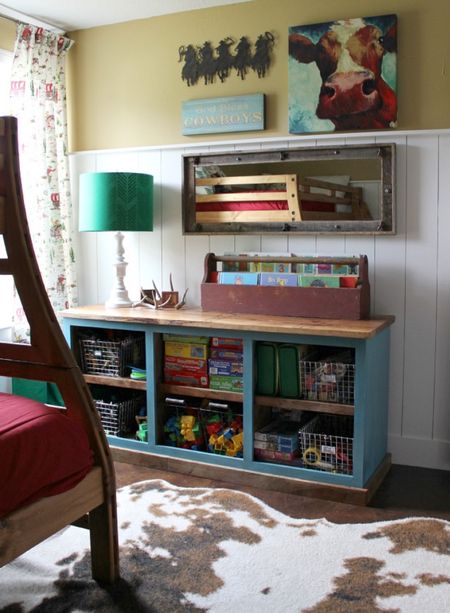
296 193
48 358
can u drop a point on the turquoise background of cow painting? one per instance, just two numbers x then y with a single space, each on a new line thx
305 80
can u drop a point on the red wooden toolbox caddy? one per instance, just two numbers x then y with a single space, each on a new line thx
323 302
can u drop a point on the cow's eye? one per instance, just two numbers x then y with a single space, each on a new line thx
381 39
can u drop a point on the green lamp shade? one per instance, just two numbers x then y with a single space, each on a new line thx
115 201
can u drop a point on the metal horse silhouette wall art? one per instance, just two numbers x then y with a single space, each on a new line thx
206 61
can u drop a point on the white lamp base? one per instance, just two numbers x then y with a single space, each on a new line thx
119 295
117 302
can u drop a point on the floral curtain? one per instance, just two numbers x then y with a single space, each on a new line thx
38 100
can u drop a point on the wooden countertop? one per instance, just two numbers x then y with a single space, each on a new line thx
197 318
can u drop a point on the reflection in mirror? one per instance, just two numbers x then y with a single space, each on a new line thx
345 189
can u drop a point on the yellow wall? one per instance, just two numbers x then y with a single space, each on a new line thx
125 87
7 34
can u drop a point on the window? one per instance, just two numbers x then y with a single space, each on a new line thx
6 282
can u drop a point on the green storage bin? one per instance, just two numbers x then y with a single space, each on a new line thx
289 377
266 369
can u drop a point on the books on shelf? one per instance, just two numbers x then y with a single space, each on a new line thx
226 383
187 361
186 350
287 274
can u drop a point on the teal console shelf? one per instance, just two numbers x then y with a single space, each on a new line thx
339 449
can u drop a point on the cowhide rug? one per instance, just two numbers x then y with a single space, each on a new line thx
199 549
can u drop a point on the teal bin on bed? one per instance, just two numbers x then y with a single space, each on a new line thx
38 390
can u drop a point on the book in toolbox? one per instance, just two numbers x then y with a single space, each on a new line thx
268 266
283 279
319 281
238 278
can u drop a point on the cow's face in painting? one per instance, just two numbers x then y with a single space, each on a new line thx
349 58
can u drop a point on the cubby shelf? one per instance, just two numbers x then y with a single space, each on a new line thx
268 401
305 405
200 392
368 340
122 382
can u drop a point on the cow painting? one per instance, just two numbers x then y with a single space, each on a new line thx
342 75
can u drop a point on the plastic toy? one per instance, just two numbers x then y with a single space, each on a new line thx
142 432
141 420
225 434
187 424
236 445
184 431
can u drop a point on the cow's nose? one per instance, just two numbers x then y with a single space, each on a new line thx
347 93
352 82
368 86
327 91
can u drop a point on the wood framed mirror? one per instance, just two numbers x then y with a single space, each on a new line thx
347 189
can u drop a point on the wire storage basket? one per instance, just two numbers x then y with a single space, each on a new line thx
118 409
223 427
326 443
111 357
182 426
328 379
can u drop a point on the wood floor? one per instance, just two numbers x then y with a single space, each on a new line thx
405 492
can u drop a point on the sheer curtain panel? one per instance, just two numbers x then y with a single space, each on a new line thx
38 100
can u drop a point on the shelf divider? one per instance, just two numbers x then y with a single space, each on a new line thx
200 392
116 382
305 405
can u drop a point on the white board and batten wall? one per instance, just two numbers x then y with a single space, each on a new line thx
409 271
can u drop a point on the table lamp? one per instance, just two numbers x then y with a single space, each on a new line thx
116 202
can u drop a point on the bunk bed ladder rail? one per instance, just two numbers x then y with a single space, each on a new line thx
48 356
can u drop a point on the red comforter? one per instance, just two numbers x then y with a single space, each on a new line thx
262 205
244 205
42 452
